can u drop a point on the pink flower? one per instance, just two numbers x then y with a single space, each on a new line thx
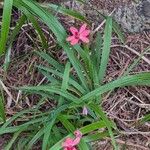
69 143
85 111
78 35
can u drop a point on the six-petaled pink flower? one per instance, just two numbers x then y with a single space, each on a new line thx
79 35
70 143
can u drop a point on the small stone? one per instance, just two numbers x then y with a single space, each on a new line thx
133 17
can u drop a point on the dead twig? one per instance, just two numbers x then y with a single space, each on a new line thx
102 23
133 51
134 132
129 144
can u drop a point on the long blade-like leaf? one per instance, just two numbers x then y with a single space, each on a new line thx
5 24
106 49
65 81
2 109
68 12
139 79
15 31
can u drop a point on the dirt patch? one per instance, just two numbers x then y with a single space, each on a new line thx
125 106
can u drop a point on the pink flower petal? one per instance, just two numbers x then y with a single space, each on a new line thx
84 111
82 28
77 133
74 41
68 142
76 141
70 148
70 38
84 39
85 33
73 30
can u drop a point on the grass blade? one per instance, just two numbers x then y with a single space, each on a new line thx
11 39
52 89
38 29
2 109
97 51
7 9
91 127
106 48
68 12
70 128
136 61
35 138
51 61
108 124
96 136
65 81
60 75
66 77
47 132
117 29
139 79
11 142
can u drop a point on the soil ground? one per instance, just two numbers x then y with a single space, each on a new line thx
125 106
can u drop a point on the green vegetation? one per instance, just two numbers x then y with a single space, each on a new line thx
71 86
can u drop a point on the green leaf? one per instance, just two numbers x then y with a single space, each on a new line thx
117 29
96 56
2 109
60 75
106 49
136 61
5 24
108 123
47 129
65 81
70 128
15 31
90 73
24 126
139 79
83 145
58 135
77 66
10 120
96 136
52 89
11 142
35 138
50 77
51 61
34 8
38 29
146 118
91 127
47 133
66 77
68 12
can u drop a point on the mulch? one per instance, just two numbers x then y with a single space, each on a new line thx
126 106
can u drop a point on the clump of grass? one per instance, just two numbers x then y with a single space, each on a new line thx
71 92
